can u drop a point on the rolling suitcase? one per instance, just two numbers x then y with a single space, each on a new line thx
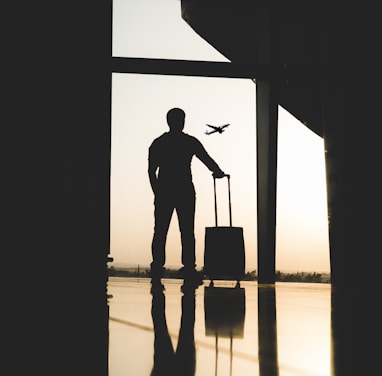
224 253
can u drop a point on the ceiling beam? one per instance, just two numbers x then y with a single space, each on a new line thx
283 75
181 67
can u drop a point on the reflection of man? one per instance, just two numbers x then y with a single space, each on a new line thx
170 177
163 351
183 360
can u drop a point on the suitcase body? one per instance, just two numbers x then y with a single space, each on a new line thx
224 251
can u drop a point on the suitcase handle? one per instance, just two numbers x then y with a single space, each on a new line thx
229 201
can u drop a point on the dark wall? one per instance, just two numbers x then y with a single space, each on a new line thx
57 149
350 117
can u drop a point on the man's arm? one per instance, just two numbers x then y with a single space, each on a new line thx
152 171
202 154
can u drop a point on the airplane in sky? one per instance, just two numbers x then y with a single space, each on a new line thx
219 129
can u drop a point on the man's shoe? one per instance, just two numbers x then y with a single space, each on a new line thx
190 286
192 280
156 273
156 285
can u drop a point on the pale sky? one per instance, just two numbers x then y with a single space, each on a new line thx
154 28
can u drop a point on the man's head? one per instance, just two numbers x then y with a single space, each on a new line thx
175 119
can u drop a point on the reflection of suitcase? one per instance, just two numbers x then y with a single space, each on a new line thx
224 311
224 254
224 315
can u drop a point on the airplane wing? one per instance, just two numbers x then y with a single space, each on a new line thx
206 132
211 126
225 125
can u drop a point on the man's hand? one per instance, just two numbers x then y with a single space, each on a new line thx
219 174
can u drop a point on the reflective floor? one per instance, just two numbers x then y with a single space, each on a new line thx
221 330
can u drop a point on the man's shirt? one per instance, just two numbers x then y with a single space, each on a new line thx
170 156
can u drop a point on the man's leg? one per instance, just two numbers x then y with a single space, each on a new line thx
162 216
186 216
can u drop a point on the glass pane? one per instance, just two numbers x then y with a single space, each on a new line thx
139 107
155 29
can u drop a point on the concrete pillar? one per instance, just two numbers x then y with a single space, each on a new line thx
266 124
266 117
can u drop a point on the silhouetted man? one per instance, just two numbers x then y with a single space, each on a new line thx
170 177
